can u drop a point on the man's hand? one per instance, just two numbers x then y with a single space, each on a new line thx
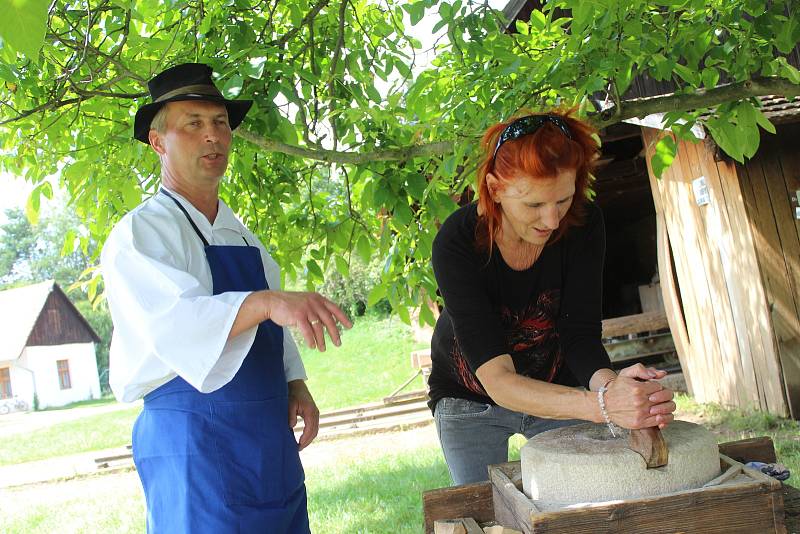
311 313
302 403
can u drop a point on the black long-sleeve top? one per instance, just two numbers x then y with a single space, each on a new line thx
547 317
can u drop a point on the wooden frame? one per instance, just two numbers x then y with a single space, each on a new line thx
743 501
475 500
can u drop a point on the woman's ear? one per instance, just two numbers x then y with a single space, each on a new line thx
493 185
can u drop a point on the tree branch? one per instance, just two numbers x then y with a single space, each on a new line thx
294 31
351 158
47 105
338 50
639 107
106 94
701 98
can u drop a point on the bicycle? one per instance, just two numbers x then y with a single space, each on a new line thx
19 405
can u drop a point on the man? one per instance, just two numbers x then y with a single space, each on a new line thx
200 332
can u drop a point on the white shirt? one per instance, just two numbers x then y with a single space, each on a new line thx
159 290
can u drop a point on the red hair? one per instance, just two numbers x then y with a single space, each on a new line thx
540 155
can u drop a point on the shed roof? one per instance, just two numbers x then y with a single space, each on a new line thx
20 309
778 109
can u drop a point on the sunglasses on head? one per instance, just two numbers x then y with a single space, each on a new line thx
529 125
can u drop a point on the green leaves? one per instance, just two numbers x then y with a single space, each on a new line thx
735 129
22 27
666 149
416 11
233 87
363 248
349 78
377 293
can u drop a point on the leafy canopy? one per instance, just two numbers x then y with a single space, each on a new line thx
353 148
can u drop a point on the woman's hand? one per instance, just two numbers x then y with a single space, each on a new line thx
635 400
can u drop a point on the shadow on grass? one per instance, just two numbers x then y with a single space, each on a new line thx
376 495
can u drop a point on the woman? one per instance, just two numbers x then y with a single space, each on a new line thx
520 272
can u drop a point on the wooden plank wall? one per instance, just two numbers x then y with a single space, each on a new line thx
60 323
725 337
770 182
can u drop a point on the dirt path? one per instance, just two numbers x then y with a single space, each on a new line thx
22 422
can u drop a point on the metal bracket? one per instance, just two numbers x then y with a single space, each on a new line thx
796 201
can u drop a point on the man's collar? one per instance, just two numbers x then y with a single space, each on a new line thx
225 216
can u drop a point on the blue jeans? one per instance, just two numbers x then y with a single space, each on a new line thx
475 435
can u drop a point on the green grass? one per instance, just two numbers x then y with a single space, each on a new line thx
735 424
373 360
375 495
81 404
90 433
91 509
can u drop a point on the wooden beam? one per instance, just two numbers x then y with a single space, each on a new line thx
469 500
511 506
421 358
618 132
633 324
462 525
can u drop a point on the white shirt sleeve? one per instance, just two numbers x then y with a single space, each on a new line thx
166 320
292 364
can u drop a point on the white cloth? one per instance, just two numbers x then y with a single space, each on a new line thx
159 290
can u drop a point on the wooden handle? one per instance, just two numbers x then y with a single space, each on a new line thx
650 445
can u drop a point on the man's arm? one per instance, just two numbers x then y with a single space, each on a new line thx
311 313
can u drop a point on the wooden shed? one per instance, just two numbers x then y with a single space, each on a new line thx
730 254
725 261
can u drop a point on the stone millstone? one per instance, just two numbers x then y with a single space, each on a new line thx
584 464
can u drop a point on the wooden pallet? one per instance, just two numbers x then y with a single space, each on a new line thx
476 500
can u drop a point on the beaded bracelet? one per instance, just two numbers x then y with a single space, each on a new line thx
602 402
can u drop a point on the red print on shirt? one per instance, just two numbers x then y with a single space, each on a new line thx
465 376
531 339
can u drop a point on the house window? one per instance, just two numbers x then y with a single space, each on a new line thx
63 374
5 383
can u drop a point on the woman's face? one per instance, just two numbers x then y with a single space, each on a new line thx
533 207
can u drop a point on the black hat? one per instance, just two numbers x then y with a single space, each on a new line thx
189 81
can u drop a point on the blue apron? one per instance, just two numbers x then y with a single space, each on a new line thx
225 461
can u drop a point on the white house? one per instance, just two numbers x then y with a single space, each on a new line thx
47 349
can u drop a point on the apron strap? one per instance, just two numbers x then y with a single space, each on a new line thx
197 230
180 207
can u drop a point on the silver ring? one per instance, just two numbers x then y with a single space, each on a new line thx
315 322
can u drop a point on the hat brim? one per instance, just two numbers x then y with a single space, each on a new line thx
237 109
